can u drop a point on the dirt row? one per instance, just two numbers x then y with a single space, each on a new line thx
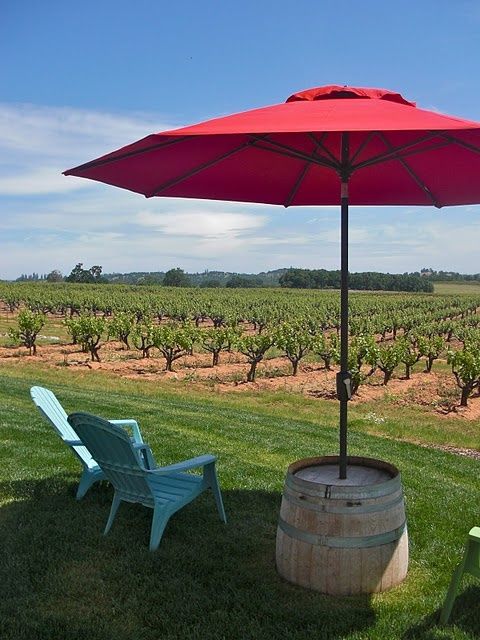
436 390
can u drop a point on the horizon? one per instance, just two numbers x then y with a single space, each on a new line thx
58 110
40 276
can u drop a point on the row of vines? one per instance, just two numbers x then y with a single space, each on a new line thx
387 330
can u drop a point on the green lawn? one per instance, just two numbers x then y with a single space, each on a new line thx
455 288
59 578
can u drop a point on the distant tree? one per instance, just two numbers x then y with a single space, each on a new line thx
89 276
323 279
55 276
211 283
176 278
237 282
296 279
28 278
151 278
96 271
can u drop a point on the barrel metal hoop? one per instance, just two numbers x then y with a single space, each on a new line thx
354 509
343 493
342 542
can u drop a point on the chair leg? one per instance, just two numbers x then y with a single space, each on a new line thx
159 521
451 594
113 510
88 478
211 475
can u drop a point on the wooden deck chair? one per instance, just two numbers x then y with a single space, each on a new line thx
136 478
52 410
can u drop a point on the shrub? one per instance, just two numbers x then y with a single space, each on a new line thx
173 342
217 340
29 325
388 360
327 348
254 348
142 336
120 327
363 350
466 369
88 330
408 354
430 347
294 341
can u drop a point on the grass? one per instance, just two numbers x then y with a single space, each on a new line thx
61 579
455 288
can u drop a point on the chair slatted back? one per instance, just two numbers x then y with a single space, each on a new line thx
112 448
51 409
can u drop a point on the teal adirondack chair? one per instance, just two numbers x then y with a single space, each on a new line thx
135 476
52 410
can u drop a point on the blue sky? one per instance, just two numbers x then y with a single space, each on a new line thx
80 79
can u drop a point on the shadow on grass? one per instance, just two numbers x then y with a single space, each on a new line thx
465 617
60 578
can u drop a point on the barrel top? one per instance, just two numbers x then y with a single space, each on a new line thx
357 476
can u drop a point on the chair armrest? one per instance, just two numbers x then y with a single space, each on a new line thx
74 443
146 454
192 463
137 436
474 534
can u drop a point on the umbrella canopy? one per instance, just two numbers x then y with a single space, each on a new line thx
290 154
323 146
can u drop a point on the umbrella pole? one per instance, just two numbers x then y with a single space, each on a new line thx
343 378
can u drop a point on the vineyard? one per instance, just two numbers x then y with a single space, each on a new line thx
241 338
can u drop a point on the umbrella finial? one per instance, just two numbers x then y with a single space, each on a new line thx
336 91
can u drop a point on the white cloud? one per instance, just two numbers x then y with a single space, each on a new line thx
440 244
41 180
41 142
49 221
47 131
202 223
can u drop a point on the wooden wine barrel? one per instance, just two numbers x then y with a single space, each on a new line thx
342 537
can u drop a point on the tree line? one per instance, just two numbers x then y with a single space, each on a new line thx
365 281
286 278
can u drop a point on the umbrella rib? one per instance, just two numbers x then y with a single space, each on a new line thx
410 171
285 150
387 156
304 171
365 142
297 184
453 140
192 172
129 154
392 156
320 144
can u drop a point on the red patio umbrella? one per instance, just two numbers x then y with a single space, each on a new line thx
323 146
